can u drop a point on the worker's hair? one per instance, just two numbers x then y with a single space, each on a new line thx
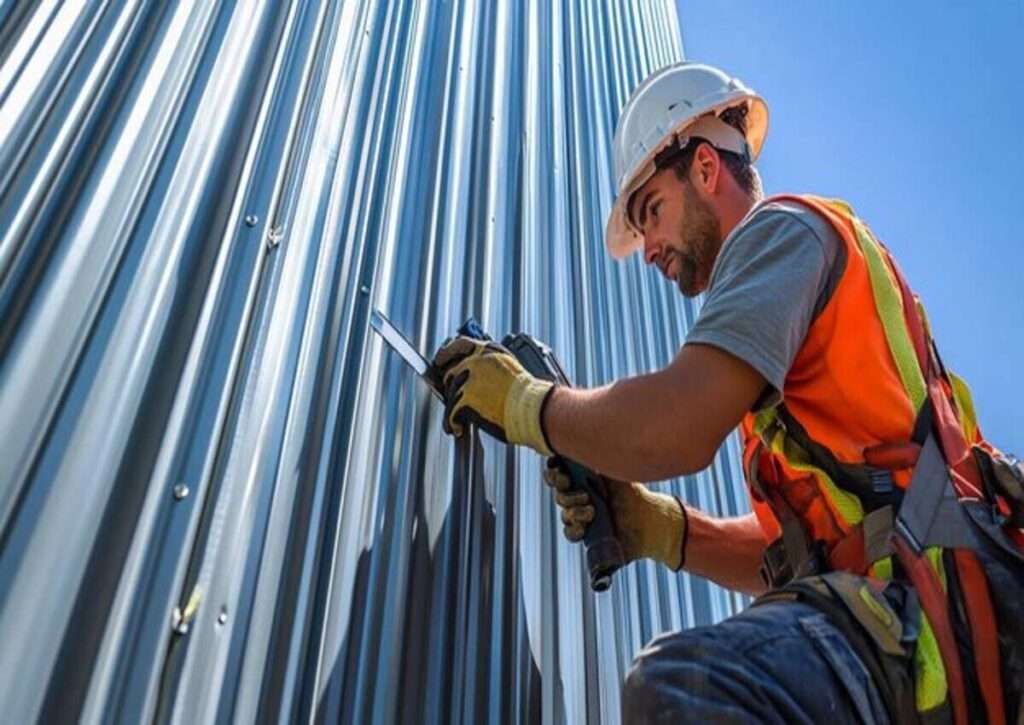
742 170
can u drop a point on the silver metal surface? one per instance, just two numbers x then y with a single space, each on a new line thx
399 344
435 159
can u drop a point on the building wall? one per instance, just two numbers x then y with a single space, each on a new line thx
221 497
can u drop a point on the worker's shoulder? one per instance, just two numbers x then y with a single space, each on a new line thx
787 214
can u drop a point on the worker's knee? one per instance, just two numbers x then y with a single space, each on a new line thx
753 667
638 689
664 678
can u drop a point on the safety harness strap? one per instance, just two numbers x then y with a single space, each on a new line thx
936 607
960 469
865 544
873 485
793 555
984 637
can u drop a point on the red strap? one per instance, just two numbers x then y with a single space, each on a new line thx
892 456
848 554
967 478
933 602
951 437
984 639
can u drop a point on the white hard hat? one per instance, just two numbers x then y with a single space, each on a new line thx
671 106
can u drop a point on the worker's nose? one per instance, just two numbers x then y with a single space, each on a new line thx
651 251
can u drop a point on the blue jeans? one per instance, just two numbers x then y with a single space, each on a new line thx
780 662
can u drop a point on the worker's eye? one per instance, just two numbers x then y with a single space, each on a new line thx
652 210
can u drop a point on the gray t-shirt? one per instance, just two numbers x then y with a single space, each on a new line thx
772 277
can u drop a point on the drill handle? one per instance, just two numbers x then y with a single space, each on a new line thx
604 552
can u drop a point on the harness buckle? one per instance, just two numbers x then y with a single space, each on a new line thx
775 568
778 566
881 481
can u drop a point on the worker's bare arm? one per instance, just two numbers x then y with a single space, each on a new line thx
726 551
655 426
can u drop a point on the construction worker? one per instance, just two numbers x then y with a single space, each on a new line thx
880 601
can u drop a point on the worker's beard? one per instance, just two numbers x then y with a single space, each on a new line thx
699 232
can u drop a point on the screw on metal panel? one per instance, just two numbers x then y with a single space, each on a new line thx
251 220
274 236
182 618
222 618
180 491
364 290
178 623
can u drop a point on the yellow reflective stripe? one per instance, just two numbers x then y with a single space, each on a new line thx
889 305
846 504
882 569
883 614
761 420
965 406
929 672
934 554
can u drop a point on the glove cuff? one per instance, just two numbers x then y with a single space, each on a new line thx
686 533
665 529
523 413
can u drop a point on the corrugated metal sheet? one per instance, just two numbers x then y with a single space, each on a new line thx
221 498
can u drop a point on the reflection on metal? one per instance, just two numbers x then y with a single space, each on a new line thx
221 498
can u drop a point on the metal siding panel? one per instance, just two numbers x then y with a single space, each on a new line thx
200 203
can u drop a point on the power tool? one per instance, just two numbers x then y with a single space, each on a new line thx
604 552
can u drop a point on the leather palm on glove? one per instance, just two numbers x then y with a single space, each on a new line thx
648 525
485 385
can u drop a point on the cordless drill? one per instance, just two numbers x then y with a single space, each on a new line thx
604 552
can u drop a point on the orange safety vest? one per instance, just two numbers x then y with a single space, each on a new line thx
842 443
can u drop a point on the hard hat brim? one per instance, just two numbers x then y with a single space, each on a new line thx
620 237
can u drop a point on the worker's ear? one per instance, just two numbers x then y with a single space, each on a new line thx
704 171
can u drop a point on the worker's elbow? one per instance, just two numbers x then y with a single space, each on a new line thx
697 452
679 461
698 458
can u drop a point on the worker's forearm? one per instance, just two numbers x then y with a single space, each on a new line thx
726 551
631 430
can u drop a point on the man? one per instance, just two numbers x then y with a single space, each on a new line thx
809 340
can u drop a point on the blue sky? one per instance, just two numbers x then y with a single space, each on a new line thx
912 112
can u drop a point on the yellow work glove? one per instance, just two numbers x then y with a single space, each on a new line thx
485 385
648 525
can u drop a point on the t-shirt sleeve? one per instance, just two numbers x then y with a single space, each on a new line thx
767 285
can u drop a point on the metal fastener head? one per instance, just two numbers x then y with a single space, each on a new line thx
251 220
180 491
364 290
179 624
222 618
274 236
